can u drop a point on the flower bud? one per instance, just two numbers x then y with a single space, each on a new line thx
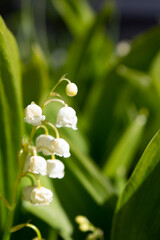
38 165
71 89
33 114
55 169
66 117
43 144
81 219
60 147
41 196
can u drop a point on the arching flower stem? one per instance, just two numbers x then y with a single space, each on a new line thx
63 78
20 226
54 128
55 94
34 129
54 100
30 178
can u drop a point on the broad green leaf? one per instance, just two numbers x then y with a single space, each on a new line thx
138 210
11 121
76 14
11 103
120 159
54 214
2 191
89 175
35 77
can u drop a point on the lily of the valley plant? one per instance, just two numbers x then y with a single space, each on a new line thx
30 164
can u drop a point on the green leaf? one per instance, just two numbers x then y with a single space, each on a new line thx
138 210
52 235
155 72
3 209
89 175
11 121
120 159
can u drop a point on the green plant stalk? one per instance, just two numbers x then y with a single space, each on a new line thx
11 211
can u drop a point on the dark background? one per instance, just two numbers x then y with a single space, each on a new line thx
135 16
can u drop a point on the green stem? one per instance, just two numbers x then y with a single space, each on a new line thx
5 201
51 92
20 226
55 100
54 128
11 211
35 229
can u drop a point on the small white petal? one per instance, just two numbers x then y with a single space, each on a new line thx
43 144
38 165
41 196
26 194
60 147
33 114
55 169
66 117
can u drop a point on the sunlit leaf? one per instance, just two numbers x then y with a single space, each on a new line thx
11 121
11 102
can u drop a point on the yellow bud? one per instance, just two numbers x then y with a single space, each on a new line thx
71 89
81 219
84 227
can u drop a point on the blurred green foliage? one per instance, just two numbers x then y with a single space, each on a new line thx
118 111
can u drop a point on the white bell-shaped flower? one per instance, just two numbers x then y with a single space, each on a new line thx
33 114
71 89
38 165
60 147
43 144
55 168
66 117
41 196
26 193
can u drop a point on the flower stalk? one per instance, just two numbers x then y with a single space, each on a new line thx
30 163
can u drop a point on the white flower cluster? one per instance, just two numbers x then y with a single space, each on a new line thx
48 146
